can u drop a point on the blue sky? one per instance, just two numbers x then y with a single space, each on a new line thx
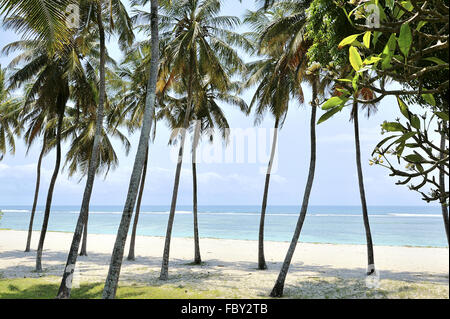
228 183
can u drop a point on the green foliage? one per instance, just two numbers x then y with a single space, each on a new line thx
399 52
327 26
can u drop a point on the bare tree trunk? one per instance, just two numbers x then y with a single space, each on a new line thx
261 259
278 288
444 205
83 251
66 281
362 193
51 188
36 195
197 256
112 280
165 264
131 255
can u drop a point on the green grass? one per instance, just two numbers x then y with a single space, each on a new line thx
313 287
47 288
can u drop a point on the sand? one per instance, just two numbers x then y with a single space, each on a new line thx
230 265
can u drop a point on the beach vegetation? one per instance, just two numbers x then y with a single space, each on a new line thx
350 54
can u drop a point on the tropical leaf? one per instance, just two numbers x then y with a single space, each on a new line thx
405 39
348 40
366 39
429 98
329 114
355 58
392 127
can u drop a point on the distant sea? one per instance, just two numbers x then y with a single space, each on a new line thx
391 225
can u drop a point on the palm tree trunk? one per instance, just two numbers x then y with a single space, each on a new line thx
370 256
112 280
165 264
444 205
51 188
66 281
131 255
277 290
261 259
197 256
36 195
83 251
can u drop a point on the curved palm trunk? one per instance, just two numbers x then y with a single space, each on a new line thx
197 256
444 206
277 290
112 280
51 188
165 263
370 257
66 282
261 259
83 251
36 195
131 255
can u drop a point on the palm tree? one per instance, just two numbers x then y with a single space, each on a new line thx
112 279
61 70
10 125
38 123
42 20
94 10
290 31
35 198
354 117
277 290
199 46
82 129
130 81
52 90
277 84
206 116
131 252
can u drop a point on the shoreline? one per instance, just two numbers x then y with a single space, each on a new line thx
230 266
250 240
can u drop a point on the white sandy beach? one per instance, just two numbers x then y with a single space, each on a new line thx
230 265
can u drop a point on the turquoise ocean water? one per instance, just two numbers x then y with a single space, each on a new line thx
391 225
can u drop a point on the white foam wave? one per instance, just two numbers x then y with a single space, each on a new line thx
15 210
414 215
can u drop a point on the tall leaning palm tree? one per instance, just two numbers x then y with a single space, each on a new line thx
112 279
52 64
199 46
52 90
130 81
206 116
93 10
276 84
290 30
369 108
38 125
